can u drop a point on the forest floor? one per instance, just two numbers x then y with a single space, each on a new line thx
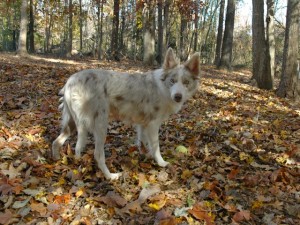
241 166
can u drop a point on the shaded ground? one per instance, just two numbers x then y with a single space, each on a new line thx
242 164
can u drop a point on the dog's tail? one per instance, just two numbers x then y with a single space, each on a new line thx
61 100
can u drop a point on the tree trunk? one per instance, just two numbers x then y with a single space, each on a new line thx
196 26
70 39
160 40
290 78
100 31
149 37
166 23
226 55
115 32
260 47
31 27
80 25
22 50
183 38
220 33
269 70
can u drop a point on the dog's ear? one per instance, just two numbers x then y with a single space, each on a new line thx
170 61
193 64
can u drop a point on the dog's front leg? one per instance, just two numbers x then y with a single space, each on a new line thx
151 134
99 154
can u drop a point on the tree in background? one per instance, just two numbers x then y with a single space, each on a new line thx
220 33
115 32
226 55
261 55
31 27
22 50
290 78
149 32
70 30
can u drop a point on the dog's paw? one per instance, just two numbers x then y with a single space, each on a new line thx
163 163
113 176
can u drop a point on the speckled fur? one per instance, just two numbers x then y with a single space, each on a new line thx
145 100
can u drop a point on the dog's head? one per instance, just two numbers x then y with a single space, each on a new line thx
181 79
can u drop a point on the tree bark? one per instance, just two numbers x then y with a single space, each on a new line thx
260 48
226 55
160 40
149 33
290 78
115 32
70 39
22 50
220 33
80 25
31 27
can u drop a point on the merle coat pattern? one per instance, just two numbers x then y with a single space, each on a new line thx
91 97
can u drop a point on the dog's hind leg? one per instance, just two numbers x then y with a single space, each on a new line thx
81 140
151 135
68 126
141 138
100 130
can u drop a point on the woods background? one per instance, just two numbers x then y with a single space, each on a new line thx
143 29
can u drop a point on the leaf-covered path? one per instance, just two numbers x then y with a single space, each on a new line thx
241 165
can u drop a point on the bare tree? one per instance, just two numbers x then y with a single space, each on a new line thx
115 32
70 30
22 50
220 33
160 41
261 46
31 27
290 78
149 32
226 55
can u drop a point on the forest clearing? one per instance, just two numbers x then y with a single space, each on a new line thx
241 164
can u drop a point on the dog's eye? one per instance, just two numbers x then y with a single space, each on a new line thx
172 81
186 82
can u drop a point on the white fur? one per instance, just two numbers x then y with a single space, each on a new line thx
91 97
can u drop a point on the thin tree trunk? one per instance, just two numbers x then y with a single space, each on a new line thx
115 32
80 25
196 26
290 79
31 27
220 33
226 55
269 70
70 39
22 50
101 32
149 38
160 40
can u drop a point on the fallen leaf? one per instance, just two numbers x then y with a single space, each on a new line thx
241 216
5 217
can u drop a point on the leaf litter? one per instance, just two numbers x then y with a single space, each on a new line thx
233 149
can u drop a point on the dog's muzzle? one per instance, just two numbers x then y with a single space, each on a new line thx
178 97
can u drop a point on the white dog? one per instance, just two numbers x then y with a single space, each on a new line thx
145 100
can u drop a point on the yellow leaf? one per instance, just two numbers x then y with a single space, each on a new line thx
154 206
257 204
79 193
186 174
30 137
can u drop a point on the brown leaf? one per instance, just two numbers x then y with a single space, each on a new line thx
113 199
6 217
199 213
241 216
38 207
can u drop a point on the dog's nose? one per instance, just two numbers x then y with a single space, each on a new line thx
178 97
